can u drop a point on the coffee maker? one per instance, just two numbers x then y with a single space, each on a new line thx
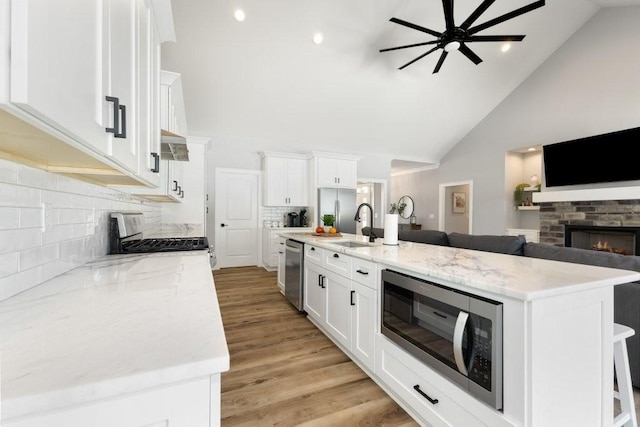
295 219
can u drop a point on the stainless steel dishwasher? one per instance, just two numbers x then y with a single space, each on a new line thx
294 273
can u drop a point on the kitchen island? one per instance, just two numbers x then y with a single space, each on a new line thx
125 340
557 347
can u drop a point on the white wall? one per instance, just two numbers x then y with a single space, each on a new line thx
79 219
591 85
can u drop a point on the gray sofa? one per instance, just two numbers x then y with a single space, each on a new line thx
626 296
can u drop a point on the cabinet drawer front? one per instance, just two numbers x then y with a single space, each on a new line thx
313 254
364 272
403 380
275 246
338 263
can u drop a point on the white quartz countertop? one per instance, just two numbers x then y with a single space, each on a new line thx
518 277
121 324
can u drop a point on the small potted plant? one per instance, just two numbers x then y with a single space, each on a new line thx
328 220
518 194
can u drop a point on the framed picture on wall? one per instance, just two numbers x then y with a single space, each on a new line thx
459 202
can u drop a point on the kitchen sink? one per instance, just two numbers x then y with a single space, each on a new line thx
352 244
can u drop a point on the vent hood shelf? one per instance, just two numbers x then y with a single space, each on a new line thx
173 147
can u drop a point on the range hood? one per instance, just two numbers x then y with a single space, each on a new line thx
173 147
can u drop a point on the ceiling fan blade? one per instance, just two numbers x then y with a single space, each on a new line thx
447 5
506 17
419 57
440 61
415 27
476 14
469 54
410 45
493 39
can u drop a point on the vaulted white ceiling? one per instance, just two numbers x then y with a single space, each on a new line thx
263 83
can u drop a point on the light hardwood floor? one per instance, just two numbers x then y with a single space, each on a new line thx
284 371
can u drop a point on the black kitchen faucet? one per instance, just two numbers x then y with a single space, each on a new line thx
372 235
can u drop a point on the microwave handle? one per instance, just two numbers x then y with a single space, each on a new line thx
458 334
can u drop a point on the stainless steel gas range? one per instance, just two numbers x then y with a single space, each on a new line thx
126 237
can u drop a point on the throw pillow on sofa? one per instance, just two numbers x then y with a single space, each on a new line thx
510 245
430 237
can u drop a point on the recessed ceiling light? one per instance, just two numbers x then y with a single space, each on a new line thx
239 15
317 38
532 149
505 47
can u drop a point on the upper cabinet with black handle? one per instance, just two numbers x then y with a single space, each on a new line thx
76 71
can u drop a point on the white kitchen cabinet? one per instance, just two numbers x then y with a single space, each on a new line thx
172 110
394 368
148 96
281 263
314 291
335 172
189 404
57 68
345 309
178 181
77 95
285 180
338 300
189 186
271 247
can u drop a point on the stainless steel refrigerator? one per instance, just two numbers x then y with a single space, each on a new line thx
340 202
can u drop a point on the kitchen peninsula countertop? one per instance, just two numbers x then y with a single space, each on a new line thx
518 277
120 324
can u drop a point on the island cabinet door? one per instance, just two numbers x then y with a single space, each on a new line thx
338 308
363 323
186 404
314 291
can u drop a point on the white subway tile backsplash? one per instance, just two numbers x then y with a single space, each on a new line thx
16 195
8 264
38 256
9 218
21 281
31 177
20 239
30 217
79 229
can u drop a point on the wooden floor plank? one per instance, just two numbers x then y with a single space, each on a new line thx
284 371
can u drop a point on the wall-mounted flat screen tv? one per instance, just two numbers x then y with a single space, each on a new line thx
596 159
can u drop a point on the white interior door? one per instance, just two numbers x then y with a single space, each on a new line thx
236 217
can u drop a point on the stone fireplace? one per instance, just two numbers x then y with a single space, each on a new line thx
612 225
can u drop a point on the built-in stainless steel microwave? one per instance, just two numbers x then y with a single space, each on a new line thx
453 332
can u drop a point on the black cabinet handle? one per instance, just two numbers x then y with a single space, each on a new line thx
336 256
175 186
352 294
313 249
366 273
322 282
181 194
223 225
156 163
123 122
116 114
179 190
423 394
